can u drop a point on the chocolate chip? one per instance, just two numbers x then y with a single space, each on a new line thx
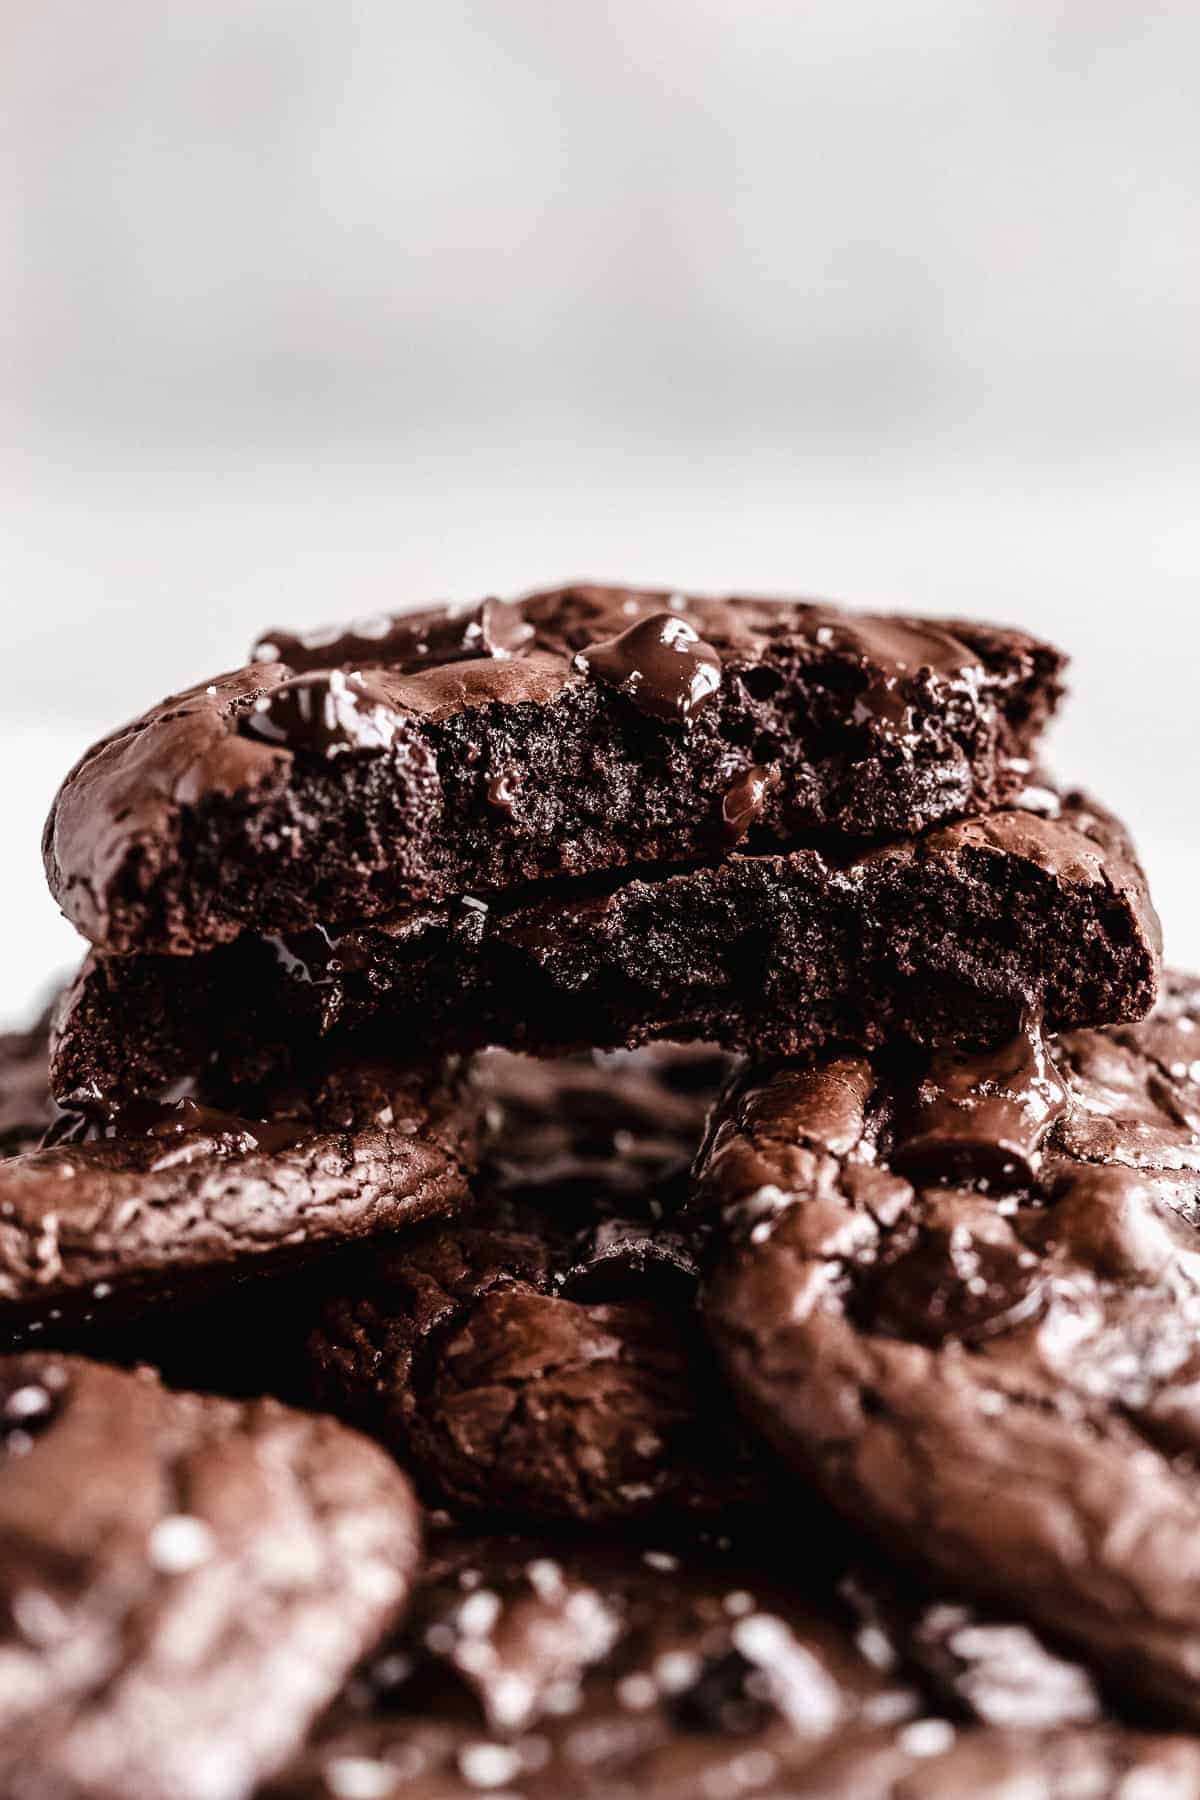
743 804
661 663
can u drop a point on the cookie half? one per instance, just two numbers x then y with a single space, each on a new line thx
404 759
948 937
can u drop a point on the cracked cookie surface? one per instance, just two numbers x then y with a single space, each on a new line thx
542 1358
126 1206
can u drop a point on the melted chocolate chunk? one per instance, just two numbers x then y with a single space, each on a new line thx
983 1115
326 713
899 648
661 663
742 805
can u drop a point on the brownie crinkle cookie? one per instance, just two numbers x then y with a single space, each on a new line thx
124 1207
960 1295
185 1582
540 1668
542 1359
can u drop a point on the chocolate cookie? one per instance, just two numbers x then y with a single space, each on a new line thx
413 758
185 1583
542 1359
184 1193
945 937
960 1295
548 1669
26 1107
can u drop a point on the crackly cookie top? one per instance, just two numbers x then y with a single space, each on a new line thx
963 1292
574 622
541 1359
184 1581
128 1201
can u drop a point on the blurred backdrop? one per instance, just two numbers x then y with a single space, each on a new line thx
317 309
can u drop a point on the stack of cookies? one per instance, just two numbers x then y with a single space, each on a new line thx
613 1211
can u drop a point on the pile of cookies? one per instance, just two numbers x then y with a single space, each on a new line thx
613 1210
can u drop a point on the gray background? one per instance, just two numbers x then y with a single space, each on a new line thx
311 309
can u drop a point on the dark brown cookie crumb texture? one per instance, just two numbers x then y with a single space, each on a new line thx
549 1668
947 937
542 1360
960 1296
413 759
185 1583
185 1197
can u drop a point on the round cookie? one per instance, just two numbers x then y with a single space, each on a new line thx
962 1295
544 1667
542 1359
192 1193
185 1582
